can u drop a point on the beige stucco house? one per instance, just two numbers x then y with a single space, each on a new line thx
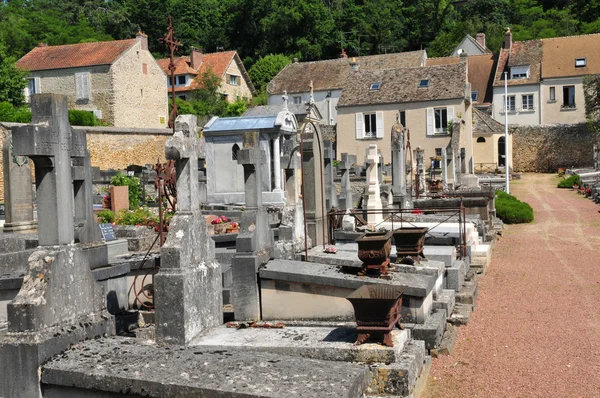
119 81
489 139
226 65
427 100
545 79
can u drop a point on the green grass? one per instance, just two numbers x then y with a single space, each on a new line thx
511 210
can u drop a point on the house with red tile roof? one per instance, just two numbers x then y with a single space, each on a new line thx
545 79
119 81
227 65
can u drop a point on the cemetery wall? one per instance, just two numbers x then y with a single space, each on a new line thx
546 148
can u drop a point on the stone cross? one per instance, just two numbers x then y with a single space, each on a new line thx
48 143
183 147
374 198
420 166
251 158
398 160
313 183
331 199
346 164
18 195
285 100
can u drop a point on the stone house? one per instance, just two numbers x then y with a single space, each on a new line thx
428 100
489 142
545 79
119 81
227 65
328 78
471 46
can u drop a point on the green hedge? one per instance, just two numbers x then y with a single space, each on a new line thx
8 113
511 210
569 182
82 118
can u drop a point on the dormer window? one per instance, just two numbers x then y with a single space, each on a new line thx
180 80
375 86
519 72
424 83
580 62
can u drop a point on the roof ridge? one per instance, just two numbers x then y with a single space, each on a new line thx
85 43
568 37
411 67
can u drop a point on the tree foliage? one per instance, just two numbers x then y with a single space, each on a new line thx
265 69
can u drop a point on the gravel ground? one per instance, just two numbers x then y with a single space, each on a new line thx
536 328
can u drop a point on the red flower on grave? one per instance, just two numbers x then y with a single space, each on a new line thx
417 211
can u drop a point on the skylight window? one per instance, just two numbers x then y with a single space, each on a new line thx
375 86
424 83
580 62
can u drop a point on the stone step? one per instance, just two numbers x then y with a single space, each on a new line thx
448 341
445 300
432 330
468 294
402 378
461 314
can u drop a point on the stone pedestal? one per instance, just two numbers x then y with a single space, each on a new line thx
374 198
313 185
331 198
18 195
346 201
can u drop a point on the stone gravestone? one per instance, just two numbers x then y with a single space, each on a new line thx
188 292
18 195
313 184
60 302
420 187
596 157
291 229
346 201
399 163
374 193
331 198
119 198
445 167
254 242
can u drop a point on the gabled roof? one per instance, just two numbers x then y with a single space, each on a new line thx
559 54
520 54
215 62
484 50
331 74
74 55
483 123
480 73
402 85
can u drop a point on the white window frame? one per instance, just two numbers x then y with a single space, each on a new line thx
519 72
178 83
297 99
527 106
510 107
82 86
552 94
36 88
375 86
474 95
360 125
432 119
235 79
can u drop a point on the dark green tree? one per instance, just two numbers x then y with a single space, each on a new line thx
265 69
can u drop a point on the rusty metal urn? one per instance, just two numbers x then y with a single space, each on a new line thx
409 241
374 251
377 309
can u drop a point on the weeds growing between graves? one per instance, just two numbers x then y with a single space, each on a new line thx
511 210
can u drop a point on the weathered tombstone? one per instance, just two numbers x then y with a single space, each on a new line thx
119 198
445 168
399 165
346 201
596 157
60 302
313 184
380 168
254 242
188 297
420 167
18 195
374 198
331 199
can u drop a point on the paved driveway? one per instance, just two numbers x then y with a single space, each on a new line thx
536 328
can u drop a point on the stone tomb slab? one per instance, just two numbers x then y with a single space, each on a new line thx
120 365
312 291
327 343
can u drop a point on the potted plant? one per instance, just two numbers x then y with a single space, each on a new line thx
233 227
219 224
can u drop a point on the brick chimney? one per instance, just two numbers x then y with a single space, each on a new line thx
354 65
143 39
480 37
195 58
507 39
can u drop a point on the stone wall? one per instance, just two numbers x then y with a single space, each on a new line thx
546 148
113 148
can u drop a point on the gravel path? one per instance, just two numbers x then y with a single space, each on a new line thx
536 328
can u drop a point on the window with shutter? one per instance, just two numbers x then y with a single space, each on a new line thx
82 85
450 118
379 126
359 126
430 121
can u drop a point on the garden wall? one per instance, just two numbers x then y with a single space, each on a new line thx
546 148
113 148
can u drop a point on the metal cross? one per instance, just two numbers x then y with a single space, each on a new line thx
172 44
